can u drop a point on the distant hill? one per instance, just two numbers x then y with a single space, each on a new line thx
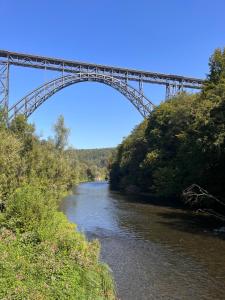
98 157
94 162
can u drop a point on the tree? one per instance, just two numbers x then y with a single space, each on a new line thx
3 122
217 66
61 133
24 131
182 144
21 127
11 165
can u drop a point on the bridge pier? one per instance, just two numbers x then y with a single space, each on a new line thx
172 90
141 88
4 85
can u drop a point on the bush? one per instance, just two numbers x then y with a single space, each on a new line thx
43 256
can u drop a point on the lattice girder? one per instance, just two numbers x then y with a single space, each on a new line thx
33 100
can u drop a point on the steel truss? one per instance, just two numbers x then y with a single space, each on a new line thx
55 64
33 100
173 83
4 84
172 90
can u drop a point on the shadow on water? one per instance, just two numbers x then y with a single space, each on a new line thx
179 217
192 222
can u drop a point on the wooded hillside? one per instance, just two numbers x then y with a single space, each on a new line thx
181 143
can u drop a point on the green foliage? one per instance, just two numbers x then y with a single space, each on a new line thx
61 133
98 157
21 128
94 163
24 132
182 142
42 254
11 165
29 207
125 169
3 123
217 66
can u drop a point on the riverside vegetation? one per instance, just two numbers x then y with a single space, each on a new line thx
43 256
180 149
95 162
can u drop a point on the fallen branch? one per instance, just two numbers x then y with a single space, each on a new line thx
207 204
212 213
195 195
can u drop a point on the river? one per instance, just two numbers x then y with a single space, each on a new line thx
154 252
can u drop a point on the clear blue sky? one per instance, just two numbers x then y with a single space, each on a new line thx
173 36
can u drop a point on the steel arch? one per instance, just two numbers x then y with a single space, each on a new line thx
33 100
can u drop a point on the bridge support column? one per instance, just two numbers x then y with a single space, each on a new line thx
168 91
4 86
141 90
172 90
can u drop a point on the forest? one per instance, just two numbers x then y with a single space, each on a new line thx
43 256
94 163
179 151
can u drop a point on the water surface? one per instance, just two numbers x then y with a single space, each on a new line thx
154 252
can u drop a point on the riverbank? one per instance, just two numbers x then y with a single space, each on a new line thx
62 264
43 256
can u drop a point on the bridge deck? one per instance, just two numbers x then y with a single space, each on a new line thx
69 66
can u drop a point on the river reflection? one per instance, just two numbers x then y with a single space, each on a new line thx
155 252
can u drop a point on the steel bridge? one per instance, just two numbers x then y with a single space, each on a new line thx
72 72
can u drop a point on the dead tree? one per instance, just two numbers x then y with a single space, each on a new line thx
198 198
